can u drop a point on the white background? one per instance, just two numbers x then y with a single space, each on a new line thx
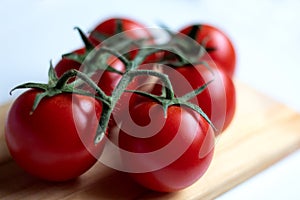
266 34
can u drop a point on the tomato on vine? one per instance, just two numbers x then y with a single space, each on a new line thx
106 72
218 100
57 131
218 45
113 26
183 138
55 141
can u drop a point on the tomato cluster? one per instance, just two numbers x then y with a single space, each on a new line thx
159 105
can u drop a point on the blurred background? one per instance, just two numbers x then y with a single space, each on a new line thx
266 35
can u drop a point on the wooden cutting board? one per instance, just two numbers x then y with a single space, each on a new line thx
263 132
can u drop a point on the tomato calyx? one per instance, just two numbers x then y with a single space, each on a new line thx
89 48
102 36
167 97
57 86
181 49
193 34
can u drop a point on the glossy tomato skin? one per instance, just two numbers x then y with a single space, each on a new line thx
109 27
122 29
220 47
218 100
55 142
184 137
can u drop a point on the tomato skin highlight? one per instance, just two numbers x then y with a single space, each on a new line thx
109 28
222 49
218 100
191 138
56 141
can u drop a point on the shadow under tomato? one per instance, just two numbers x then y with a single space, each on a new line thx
99 182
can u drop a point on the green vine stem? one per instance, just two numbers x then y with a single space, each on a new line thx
163 77
62 82
183 100
113 52
100 53
57 86
119 90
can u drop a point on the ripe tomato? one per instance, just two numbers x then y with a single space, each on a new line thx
110 27
56 141
217 43
218 100
165 154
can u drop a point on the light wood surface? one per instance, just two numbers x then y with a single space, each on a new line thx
263 132
4 155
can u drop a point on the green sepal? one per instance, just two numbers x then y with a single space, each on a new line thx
74 56
146 94
194 30
57 86
88 48
92 65
199 111
193 34
194 93
30 85
47 93
183 100
52 76
87 43
52 80
119 26
160 99
37 100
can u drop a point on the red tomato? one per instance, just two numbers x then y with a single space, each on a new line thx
129 28
170 153
109 28
56 141
219 46
218 100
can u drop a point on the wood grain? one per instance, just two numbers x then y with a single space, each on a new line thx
4 155
263 132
